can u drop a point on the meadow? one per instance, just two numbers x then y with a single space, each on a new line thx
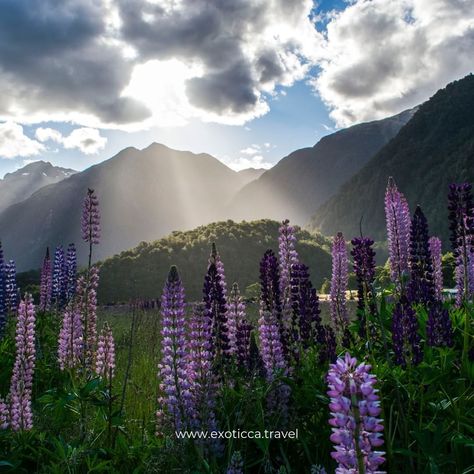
383 383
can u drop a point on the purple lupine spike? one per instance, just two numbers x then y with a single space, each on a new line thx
90 222
86 291
3 303
236 465
357 430
288 257
22 377
237 313
435 252
439 329
461 219
203 386
46 283
405 338
11 288
105 358
328 345
339 285
4 414
305 305
397 214
421 287
214 297
71 271
71 339
364 268
59 277
174 386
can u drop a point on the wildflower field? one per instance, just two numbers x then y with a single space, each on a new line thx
387 389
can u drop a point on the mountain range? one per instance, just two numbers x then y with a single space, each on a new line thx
147 194
22 183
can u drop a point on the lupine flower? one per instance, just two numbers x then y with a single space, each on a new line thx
305 306
71 338
201 409
4 414
3 303
236 465
105 358
87 302
421 287
174 386
397 214
22 377
439 329
288 257
71 271
214 298
327 351
46 283
435 252
357 430
405 338
236 312
11 288
461 218
90 222
364 269
58 292
339 284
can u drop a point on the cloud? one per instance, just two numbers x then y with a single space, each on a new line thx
381 57
87 140
251 150
13 142
244 162
82 60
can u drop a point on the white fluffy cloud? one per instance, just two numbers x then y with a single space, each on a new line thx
87 140
13 142
383 56
244 162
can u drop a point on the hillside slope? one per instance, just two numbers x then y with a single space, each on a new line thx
435 148
241 246
298 184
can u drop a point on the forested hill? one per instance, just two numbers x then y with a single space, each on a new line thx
435 148
141 272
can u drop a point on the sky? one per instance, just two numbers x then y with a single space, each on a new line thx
247 81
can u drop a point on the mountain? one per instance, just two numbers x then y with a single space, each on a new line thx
435 148
144 194
297 185
22 183
241 246
250 174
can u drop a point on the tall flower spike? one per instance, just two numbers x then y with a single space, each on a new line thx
339 284
105 358
22 377
357 430
214 298
364 269
71 271
435 252
11 286
174 387
3 303
405 338
46 283
439 330
397 214
236 465
90 223
421 288
288 257
4 414
461 219
201 409
237 314
58 292
71 338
